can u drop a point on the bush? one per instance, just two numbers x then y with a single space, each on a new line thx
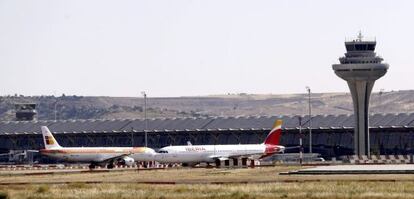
4 195
240 195
42 189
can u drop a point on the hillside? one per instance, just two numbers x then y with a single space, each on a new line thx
79 107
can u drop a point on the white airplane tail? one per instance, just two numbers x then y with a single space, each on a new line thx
48 139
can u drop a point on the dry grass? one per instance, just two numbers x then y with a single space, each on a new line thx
177 175
126 185
337 189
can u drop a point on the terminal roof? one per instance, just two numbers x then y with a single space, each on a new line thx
403 120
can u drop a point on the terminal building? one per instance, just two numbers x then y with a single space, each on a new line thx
332 135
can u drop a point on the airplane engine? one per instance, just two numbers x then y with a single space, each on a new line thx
127 161
192 164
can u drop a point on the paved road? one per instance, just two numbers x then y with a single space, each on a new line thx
356 169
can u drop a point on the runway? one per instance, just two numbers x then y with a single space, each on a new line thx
355 169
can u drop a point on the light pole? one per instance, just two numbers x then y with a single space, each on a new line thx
310 118
132 136
300 141
55 110
380 98
145 117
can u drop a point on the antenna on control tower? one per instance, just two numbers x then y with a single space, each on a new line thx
360 36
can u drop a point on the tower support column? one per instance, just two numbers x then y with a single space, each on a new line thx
361 92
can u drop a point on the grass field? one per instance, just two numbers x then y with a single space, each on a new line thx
339 189
207 183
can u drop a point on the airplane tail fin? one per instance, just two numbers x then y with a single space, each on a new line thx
273 137
48 139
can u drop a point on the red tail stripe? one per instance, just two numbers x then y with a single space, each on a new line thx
274 136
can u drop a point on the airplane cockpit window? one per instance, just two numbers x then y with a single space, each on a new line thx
163 151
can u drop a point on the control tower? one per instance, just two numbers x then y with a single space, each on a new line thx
360 68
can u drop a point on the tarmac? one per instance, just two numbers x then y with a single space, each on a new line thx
355 169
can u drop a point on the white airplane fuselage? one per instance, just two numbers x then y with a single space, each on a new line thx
104 156
193 154
210 153
98 154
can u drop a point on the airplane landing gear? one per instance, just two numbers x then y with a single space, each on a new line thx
92 166
110 166
217 161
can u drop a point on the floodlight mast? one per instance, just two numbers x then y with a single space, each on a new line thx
145 117
310 118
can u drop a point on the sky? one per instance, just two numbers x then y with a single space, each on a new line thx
195 47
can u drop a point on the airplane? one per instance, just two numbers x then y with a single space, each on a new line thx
96 156
193 154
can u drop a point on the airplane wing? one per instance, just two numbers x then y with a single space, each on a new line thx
115 158
291 148
222 158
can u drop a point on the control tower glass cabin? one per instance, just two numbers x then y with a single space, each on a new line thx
360 68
